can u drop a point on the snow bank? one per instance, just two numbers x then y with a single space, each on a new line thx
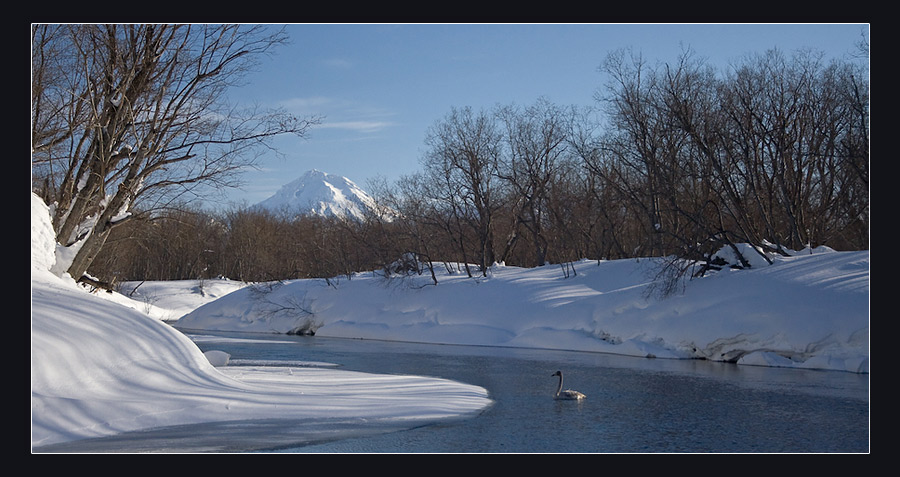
104 364
170 300
808 310
99 368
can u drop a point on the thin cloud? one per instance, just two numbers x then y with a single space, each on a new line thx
358 126
341 114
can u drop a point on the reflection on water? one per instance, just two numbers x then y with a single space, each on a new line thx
633 404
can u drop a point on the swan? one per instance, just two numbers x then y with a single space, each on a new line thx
568 393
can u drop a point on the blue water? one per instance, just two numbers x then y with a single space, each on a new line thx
633 404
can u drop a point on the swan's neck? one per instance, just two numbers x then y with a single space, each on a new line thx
559 389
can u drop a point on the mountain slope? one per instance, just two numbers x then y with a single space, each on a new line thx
320 193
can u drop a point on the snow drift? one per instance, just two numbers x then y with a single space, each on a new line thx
99 368
103 364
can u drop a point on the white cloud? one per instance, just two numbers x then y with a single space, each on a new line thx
358 125
341 114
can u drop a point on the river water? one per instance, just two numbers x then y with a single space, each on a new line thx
633 404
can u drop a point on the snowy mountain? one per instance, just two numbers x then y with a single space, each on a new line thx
320 193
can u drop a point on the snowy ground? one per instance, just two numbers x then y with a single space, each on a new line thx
805 311
99 368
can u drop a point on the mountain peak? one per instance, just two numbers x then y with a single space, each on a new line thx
320 193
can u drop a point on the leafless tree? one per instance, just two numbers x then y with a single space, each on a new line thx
536 144
129 113
461 164
774 154
685 161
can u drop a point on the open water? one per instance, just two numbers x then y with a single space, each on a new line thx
633 404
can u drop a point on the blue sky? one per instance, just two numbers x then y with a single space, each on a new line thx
380 86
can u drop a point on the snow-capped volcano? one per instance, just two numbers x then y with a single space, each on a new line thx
320 193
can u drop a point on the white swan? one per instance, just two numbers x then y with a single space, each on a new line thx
568 393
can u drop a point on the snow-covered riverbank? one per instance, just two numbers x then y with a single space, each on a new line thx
99 368
103 364
806 311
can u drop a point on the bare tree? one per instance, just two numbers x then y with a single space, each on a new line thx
145 118
641 153
58 103
774 155
410 236
536 143
794 150
462 160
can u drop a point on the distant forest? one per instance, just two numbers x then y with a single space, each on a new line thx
674 160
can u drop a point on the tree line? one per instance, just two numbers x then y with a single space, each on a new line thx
674 160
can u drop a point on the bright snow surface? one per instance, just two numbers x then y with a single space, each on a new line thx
320 193
100 368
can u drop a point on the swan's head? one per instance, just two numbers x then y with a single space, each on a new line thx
558 373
